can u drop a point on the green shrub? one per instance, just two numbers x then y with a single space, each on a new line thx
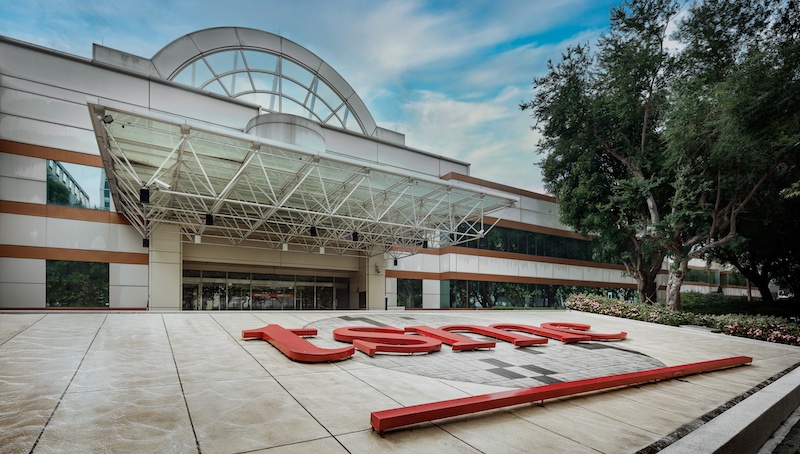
761 327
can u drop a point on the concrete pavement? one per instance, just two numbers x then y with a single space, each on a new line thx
187 382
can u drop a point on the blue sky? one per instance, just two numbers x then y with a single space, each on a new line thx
450 75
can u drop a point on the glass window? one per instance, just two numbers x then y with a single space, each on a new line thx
215 87
409 293
319 108
222 62
77 186
195 75
294 91
76 284
236 83
325 92
298 73
261 61
293 108
265 82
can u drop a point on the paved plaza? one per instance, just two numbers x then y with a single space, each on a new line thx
187 382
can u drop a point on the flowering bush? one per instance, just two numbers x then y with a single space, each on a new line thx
767 328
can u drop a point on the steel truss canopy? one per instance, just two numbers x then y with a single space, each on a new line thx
243 190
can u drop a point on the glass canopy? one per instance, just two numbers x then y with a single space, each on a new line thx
242 190
276 83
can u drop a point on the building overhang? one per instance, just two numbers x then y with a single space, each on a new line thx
236 189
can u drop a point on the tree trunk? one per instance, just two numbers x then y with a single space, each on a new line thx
676 277
648 290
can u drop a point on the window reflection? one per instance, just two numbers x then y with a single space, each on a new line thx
232 291
504 239
76 284
76 185
409 293
482 294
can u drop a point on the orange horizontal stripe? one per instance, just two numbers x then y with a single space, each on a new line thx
498 186
37 151
62 212
75 255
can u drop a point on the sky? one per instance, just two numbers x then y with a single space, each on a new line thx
450 75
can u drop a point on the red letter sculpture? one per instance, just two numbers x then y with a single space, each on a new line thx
372 339
289 342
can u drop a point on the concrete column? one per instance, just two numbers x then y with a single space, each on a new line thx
166 268
375 278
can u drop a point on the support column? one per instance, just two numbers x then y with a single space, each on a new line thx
166 268
375 276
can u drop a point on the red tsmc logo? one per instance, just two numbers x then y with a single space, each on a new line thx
418 339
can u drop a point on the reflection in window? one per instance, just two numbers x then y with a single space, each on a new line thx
409 293
231 291
76 284
484 294
533 243
76 185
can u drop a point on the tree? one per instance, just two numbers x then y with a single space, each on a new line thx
660 151
599 117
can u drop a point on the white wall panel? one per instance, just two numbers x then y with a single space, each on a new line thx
29 105
505 267
409 160
127 274
25 167
71 234
17 294
124 238
224 112
17 129
122 296
21 230
467 264
29 271
73 73
350 145
21 190
530 269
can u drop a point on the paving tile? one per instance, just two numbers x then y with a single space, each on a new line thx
249 414
151 419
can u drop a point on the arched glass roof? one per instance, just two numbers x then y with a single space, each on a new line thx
266 70
276 83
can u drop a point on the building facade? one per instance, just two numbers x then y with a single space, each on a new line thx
236 170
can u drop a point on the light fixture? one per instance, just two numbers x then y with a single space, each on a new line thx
107 119
285 247
395 262
312 231
144 195
321 250
209 219
197 239
377 269
355 236
425 244
145 242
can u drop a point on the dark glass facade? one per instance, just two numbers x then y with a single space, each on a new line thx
76 284
504 239
234 291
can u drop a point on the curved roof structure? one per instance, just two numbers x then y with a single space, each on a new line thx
267 70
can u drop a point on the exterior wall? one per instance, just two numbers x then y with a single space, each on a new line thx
44 115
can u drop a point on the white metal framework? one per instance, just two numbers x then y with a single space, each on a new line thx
243 190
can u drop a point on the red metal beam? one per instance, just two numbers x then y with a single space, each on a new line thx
405 416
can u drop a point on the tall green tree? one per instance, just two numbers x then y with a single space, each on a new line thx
600 116
659 151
